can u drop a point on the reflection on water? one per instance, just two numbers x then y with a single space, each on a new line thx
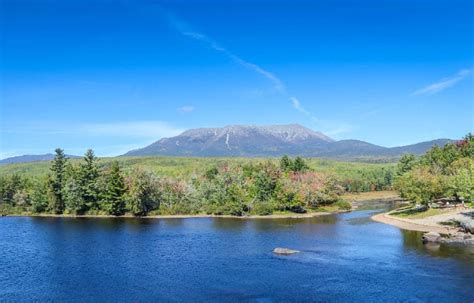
411 241
344 257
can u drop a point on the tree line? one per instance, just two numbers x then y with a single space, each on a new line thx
442 172
254 188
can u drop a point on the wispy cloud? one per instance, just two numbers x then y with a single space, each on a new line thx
137 129
132 129
339 129
443 83
186 30
297 105
186 109
278 85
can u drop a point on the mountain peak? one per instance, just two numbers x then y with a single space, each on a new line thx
268 140
238 140
288 132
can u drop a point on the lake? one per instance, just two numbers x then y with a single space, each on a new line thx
345 257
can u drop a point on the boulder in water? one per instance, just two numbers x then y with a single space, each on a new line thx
431 237
467 225
285 251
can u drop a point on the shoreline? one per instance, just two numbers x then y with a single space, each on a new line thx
275 216
353 198
407 224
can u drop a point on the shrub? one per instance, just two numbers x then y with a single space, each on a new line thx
343 204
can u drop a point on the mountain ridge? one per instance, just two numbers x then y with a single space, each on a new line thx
271 140
260 141
31 158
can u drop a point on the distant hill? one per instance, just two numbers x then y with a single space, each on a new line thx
273 140
262 141
31 158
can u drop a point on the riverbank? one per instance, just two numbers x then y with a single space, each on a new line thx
409 224
326 210
272 216
372 195
434 223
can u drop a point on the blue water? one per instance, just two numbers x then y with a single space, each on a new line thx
344 257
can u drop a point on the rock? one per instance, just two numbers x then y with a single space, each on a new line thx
467 226
431 237
469 241
284 251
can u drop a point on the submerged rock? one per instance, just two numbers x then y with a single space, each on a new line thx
431 237
458 238
284 251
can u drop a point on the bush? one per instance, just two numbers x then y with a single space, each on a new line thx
443 172
262 208
343 204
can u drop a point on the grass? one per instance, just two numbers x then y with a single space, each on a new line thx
371 195
411 214
188 166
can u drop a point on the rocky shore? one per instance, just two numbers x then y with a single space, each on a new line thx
451 227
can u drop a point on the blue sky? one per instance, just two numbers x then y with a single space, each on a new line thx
117 75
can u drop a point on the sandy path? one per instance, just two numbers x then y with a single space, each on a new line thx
409 224
427 224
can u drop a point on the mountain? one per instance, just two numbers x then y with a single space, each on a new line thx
273 140
30 158
238 140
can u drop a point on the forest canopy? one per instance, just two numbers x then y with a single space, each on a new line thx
233 187
442 173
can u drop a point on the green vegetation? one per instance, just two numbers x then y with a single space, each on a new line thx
443 172
417 214
159 185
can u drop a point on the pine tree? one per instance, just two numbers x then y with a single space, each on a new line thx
89 175
58 169
299 165
73 197
285 163
113 198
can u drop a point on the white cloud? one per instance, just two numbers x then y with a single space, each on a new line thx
297 105
136 129
443 83
339 129
130 129
186 30
186 109
278 85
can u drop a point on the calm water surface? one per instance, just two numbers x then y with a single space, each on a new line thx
344 257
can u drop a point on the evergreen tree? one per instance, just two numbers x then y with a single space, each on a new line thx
113 198
58 169
299 165
73 197
89 175
285 163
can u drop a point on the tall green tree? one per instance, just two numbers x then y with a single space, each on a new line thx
299 165
39 195
142 195
285 163
113 197
58 176
405 164
73 197
88 180
9 186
